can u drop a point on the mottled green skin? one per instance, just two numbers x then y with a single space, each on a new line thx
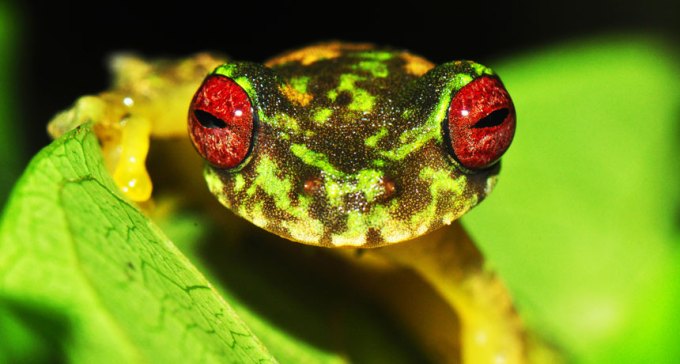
357 156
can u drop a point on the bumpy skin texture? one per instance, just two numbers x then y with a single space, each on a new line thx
349 147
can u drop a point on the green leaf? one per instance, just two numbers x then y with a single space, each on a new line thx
117 287
86 277
583 224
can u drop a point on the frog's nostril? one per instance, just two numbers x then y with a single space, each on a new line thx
312 185
388 187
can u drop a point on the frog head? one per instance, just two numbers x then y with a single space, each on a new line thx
351 145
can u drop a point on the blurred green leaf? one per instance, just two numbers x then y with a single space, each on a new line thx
31 334
72 246
584 221
11 149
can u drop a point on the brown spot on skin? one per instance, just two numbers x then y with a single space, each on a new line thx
311 54
373 235
312 185
296 96
344 98
416 65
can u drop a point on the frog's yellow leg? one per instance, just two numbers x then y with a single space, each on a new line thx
491 330
130 172
148 99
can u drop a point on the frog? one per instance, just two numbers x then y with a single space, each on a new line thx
347 146
350 145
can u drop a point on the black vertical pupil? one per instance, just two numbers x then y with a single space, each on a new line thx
209 120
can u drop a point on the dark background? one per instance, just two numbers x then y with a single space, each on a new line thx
65 43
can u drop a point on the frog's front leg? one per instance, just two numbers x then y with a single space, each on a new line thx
491 330
147 99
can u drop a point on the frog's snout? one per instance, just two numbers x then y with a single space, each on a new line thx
360 190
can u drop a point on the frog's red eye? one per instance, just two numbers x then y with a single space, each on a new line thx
481 123
221 122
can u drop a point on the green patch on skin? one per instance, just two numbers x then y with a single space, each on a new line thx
315 159
458 82
227 69
440 181
379 215
481 69
303 227
299 84
322 114
391 228
378 162
359 223
305 230
368 182
257 215
284 121
247 86
269 182
216 186
355 234
334 192
332 95
376 68
373 140
242 211
362 100
300 212
414 139
239 182
348 80
375 55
